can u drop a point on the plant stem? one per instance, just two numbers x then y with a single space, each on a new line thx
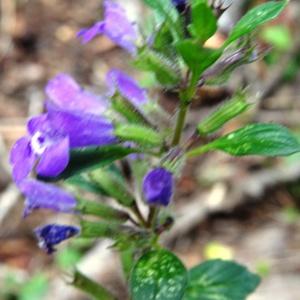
180 123
139 215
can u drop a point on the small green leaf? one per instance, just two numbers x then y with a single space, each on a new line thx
67 258
197 58
166 71
35 288
256 17
254 139
91 158
142 135
158 275
113 185
204 22
223 114
220 280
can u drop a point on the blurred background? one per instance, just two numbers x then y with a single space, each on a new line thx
246 209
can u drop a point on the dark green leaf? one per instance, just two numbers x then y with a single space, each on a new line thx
158 275
220 280
204 22
197 58
256 17
255 139
91 158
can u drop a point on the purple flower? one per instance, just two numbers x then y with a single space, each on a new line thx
115 25
41 195
126 86
158 187
65 93
51 136
53 234
43 147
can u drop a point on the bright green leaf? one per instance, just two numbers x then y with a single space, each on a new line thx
197 58
204 22
254 139
158 275
279 36
220 280
256 17
35 288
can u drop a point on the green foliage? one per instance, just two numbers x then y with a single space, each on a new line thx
278 36
220 280
158 275
254 139
204 22
223 114
196 57
35 288
166 71
142 135
67 258
254 18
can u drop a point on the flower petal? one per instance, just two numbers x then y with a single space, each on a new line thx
41 195
52 234
127 86
39 123
65 93
83 130
118 27
22 159
87 34
54 159
158 187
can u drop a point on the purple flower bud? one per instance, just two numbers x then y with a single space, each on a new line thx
126 86
158 187
46 196
115 25
52 234
65 93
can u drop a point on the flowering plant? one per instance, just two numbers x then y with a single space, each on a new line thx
126 148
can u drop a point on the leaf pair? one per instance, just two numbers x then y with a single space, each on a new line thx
160 275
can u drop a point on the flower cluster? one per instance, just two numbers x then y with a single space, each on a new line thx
75 118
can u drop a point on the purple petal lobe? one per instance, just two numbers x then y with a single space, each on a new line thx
83 130
87 34
65 93
38 123
22 159
40 195
127 87
116 26
54 159
52 234
158 187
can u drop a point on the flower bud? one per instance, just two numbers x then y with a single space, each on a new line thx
158 187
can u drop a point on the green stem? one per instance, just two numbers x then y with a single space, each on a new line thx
91 287
180 123
139 215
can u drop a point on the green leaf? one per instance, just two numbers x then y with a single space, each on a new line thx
256 17
204 22
166 71
223 114
158 275
91 158
113 185
254 139
197 58
91 287
140 134
167 11
220 280
67 258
